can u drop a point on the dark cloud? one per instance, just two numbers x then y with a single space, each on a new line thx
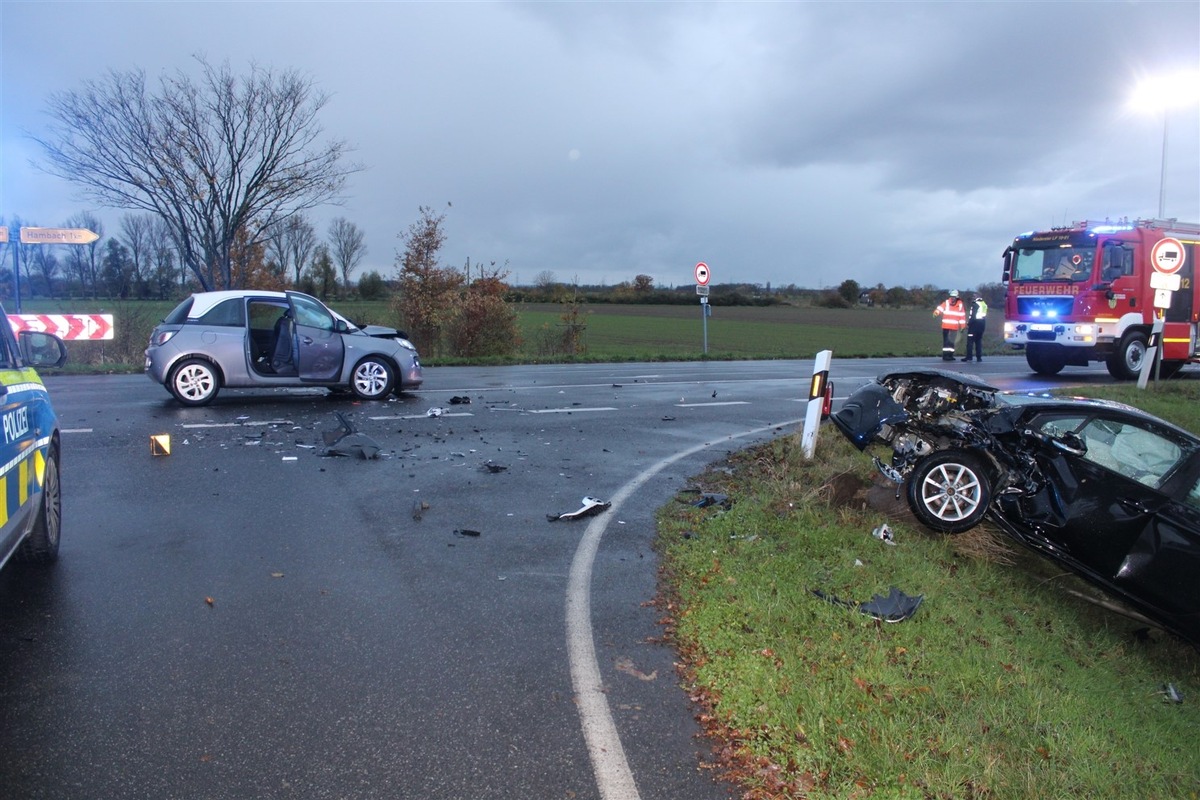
601 140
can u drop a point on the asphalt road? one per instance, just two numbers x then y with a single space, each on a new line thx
247 618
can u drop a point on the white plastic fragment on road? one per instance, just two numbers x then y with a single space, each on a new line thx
591 506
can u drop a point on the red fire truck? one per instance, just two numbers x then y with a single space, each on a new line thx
1087 293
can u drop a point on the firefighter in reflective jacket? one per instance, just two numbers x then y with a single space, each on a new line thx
954 319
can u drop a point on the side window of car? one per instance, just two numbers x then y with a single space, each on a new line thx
228 313
1129 450
1060 425
311 313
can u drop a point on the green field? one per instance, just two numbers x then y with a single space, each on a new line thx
613 332
677 332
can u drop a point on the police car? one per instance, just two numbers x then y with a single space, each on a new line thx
30 499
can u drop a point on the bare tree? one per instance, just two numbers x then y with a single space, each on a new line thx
135 235
86 257
290 243
165 270
321 273
210 157
46 263
346 247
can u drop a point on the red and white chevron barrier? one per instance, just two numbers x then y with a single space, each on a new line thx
70 327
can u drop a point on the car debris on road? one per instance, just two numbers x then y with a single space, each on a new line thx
591 506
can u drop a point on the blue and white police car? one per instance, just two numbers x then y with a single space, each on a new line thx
30 498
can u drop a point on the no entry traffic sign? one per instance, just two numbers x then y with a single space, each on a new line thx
702 274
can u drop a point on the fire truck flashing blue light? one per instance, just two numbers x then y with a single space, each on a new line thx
1111 228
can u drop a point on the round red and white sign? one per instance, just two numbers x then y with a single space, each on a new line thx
702 274
1167 255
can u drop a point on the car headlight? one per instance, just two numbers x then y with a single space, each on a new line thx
406 343
161 338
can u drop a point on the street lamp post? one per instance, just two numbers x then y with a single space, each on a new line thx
1162 175
1160 95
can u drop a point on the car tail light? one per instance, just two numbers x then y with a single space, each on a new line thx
160 337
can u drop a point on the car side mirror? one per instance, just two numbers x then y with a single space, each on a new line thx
340 326
42 349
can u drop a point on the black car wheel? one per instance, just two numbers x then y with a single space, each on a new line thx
373 378
1125 363
194 382
41 547
949 491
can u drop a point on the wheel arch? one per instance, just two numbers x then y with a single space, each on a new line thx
170 374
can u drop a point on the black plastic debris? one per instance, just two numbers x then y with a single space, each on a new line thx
460 401
467 532
591 506
896 607
345 441
713 499
489 467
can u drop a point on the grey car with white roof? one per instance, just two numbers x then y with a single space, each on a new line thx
264 339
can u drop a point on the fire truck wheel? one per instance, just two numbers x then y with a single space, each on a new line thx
1044 360
1125 362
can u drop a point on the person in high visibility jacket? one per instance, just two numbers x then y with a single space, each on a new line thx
954 319
976 322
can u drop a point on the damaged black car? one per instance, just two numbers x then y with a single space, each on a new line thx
1105 489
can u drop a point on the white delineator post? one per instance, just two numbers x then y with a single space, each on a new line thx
816 402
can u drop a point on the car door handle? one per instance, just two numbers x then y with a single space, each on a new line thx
306 339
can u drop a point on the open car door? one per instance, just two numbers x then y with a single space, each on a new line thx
319 346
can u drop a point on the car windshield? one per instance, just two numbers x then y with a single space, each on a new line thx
1053 264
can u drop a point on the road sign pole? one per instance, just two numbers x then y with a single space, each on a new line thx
16 246
702 278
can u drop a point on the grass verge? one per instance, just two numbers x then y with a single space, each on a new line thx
1003 685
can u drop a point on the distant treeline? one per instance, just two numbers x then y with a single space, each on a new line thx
847 295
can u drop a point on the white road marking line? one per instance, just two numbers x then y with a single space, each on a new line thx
727 403
565 410
75 430
427 416
613 776
246 424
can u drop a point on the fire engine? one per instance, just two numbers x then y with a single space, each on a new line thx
1088 293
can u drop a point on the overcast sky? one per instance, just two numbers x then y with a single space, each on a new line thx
902 143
